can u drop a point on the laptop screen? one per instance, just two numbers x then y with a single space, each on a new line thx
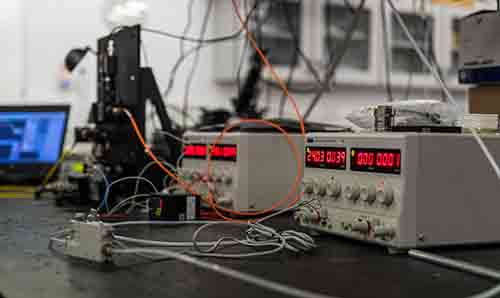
31 137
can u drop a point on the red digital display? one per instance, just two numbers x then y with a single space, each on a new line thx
376 160
196 151
225 152
326 158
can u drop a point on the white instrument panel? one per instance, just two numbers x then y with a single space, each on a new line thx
400 190
249 171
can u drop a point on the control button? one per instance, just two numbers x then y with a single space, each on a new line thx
386 196
323 213
228 180
308 186
306 215
368 194
333 188
185 174
362 227
195 176
352 193
319 188
384 232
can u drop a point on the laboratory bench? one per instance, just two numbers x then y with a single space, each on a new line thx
338 267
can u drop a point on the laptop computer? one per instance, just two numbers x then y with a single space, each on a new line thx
31 141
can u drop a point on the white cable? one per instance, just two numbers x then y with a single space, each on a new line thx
125 201
257 235
159 223
108 188
146 167
164 243
65 231
491 293
178 164
56 240
244 277
280 243
168 134
445 89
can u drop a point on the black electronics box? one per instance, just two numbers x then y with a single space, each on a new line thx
175 207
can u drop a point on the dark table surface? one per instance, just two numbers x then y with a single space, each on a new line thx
338 267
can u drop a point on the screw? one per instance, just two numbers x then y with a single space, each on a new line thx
421 237
132 78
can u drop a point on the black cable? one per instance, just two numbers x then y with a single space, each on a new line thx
331 72
294 61
175 68
308 63
196 61
196 40
242 58
182 58
349 6
387 51
310 67
188 25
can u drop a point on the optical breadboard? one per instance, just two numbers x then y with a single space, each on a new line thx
249 171
401 190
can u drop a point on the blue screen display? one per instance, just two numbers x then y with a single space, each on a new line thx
31 137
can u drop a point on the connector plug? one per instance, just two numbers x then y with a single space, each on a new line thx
89 240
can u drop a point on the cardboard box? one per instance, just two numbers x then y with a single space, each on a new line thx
484 100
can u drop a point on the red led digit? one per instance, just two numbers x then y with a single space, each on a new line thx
216 151
329 157
326 158
379 159
189 150
200 150
229 152
376 160
369 159
390 160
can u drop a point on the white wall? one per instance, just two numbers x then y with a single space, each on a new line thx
11 60
55 26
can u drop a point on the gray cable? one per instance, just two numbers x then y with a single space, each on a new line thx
127 200
108 187
257 235
244 277
175 68
146 167
333 69
491 293
194 67
164 243
445 89
462 266
171 135
159 223
210 253
188 25
387 51
459 265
